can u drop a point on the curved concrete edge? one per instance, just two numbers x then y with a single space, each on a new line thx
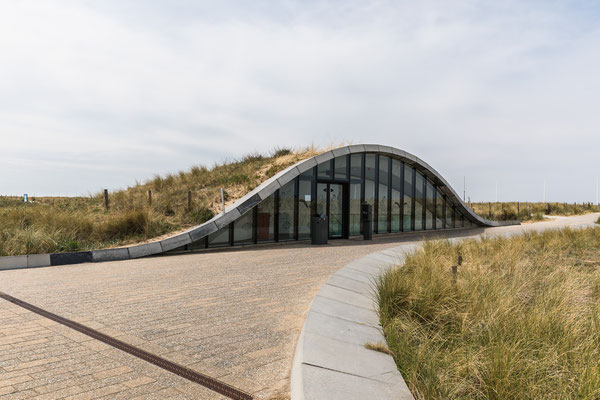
331 361
238 209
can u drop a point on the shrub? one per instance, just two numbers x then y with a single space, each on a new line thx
201 215
281 151
131 223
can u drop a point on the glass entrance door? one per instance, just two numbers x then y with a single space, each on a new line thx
330 203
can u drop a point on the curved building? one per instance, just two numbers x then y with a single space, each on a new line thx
404 192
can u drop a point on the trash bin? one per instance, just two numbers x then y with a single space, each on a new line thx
367 221
319 232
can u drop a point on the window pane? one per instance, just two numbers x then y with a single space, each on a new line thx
355 166
459 219
242 229
286 211
383 193
439 206
304 206
340 167
419 202
220 238
448 214
430 206
355 209
370 182
408 199
396 202
265 230
324 169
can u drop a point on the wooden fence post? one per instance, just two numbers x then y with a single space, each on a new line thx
106 199
189 199
150 197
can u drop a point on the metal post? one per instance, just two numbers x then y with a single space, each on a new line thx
106 199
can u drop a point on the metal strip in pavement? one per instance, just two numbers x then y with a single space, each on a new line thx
184 372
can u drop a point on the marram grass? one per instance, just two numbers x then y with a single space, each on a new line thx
521 320
53 224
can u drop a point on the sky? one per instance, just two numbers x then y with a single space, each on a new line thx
105 94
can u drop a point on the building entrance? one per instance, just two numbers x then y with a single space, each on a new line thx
332 202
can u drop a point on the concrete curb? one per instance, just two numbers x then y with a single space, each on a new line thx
239 208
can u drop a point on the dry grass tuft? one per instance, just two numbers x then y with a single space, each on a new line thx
521 321
379 346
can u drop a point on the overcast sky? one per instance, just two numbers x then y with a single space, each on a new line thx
99 94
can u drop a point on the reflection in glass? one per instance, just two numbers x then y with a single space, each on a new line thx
286 211
449 214
324 170
370 182
396 201
265 230
355 209
419 201
242 229
382 214
304 205
219 238
340 167
439 210
430 205
336 193
408 198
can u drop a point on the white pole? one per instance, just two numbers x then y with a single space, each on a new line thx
222 201
464 188
598 204
544 190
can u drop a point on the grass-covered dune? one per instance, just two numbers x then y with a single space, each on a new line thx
530 211
520 320
61 224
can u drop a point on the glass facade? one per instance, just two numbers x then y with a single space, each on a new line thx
429 205
383 196
419 215
286 211
242 229
409 187
449 216
370 180
356 163
305 201
265 220
439 210
403 199
396 208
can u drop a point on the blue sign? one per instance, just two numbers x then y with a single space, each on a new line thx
26 198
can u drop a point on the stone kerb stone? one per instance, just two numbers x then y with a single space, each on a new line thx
331 361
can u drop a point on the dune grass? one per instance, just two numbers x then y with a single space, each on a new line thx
530 211
62 224
519 321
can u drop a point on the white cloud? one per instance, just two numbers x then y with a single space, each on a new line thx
479 89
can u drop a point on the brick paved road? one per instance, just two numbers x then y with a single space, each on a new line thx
234 315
